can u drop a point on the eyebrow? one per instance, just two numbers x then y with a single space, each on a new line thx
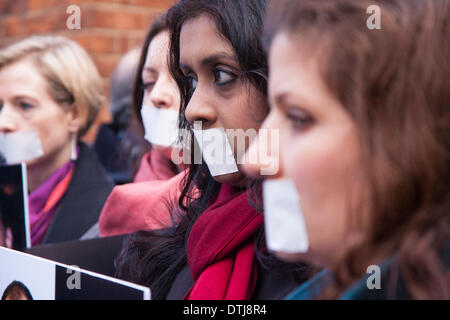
150 69
282 99
212 59
25 96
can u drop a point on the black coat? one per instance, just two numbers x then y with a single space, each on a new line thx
79 209
271 285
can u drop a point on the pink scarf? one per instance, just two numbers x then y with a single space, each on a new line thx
155 166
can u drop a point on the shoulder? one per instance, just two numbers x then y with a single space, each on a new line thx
274 284
90 184
181 285
140 206
80 207
146 194
89 171
311 288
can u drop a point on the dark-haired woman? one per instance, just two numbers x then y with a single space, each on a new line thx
216 250
142 206
156 104
364 142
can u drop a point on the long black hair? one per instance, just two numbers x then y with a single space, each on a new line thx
241 23
154 258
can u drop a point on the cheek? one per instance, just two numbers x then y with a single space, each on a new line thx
323 164
310 161
243 108
52 129
245 113
324 170
175 93
146 100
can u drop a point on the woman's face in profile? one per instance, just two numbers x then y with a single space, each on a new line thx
318 149
160 89
220 97
25 104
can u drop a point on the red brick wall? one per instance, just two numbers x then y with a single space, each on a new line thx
109 28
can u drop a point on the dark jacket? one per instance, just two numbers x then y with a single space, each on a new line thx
312 288
271 285
79 209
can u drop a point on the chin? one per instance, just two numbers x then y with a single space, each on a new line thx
291 257
236 179
33 163
307 257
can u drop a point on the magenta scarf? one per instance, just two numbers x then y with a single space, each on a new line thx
39 217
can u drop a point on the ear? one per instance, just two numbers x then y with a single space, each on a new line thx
73 119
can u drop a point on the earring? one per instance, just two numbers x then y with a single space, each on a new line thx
73 147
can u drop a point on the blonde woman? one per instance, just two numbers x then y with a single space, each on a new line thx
50 94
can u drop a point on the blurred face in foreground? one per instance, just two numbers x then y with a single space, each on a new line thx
318 149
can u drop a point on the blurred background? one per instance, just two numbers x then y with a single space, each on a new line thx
108 30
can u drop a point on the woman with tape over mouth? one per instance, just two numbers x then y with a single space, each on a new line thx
143 205
364 147
50 94
216 250
156 105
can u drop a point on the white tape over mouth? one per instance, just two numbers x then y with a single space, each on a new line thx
160 125
284 221
216 151
20 146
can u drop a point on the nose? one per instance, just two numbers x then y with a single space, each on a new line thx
161 95
262 158
7 123
200 108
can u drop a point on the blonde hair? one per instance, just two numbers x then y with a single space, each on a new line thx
73 79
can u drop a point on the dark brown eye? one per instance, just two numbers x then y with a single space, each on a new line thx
148 86
191 82
223 77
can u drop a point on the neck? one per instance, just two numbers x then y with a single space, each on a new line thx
38 172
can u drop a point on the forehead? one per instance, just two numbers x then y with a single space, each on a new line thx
20 76
200 39
158 48
292 66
